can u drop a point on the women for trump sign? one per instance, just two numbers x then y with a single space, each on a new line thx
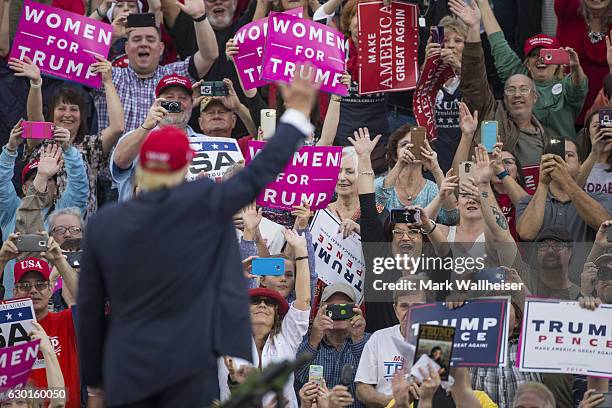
310 175
561 337
292 40
60 43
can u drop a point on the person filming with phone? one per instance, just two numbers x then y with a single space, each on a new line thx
335 339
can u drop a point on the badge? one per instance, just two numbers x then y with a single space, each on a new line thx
557 89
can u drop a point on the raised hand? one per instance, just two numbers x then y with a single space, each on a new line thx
155 115
16 136
38 333
467 122
104 68
588 279
430 158
295 240
53 253
231 49
601 239
61 136
347 227
26 69
469 14
362 143
251 217
302 215
230 101
592 398
449 184
50 161
320 325
483 167
193 8
9 248
547 165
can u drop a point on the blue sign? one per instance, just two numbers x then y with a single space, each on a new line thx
481 329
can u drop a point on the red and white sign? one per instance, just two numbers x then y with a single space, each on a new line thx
387 47
434 75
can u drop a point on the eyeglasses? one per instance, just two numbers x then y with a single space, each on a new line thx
508 162
61 230
555 246
255 301
523 91
27 286
399 234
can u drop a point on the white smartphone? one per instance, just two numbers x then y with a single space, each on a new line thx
268 123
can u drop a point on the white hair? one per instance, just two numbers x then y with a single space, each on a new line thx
350 152
74 211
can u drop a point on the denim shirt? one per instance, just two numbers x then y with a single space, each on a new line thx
74 195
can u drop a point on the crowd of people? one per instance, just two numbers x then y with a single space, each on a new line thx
103 185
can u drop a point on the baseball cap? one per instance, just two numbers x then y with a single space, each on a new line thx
554 232
209 100
283 306
540 40
31 264
339 287
603 260
28 169
165 150
173 80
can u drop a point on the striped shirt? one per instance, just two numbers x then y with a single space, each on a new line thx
136 94
332 361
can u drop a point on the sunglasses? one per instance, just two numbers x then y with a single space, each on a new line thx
255 301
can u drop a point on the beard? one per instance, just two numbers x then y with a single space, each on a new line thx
179 120
221 22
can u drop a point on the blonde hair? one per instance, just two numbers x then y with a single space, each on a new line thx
536 388
150 181
452 23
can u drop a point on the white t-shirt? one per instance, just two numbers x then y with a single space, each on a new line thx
283 347
386 352
599 181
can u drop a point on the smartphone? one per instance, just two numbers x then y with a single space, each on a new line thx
141 20
172 106
493 275
437 34
347 375
488 134
341 311
605 118
73 258
315 374
465 170
37 130
268 266
31 243
417 138
268 122
609 234
554 57
214 88
556 146
403 216
607 402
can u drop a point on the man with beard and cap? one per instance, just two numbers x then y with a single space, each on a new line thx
174 89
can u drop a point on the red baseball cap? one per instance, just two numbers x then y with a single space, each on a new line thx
165 150
541 41
173 80
31 264
29 168
283 306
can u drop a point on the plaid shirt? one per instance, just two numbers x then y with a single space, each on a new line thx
500 383
136 94
332 361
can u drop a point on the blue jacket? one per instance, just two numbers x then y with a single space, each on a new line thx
74 195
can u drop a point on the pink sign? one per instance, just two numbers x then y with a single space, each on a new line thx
251 39
61 43
310 175
434 75
292 40
15 365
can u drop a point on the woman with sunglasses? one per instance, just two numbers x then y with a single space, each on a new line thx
278 327
403 240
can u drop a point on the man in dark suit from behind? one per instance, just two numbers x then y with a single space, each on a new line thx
169 264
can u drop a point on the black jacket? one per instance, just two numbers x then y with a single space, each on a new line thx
169 263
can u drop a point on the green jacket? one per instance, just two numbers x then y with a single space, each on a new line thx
559 102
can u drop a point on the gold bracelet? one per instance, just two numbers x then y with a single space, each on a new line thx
366 173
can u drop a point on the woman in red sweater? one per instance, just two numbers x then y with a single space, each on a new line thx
583 26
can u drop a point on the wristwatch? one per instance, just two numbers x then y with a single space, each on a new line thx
502 174
201 18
